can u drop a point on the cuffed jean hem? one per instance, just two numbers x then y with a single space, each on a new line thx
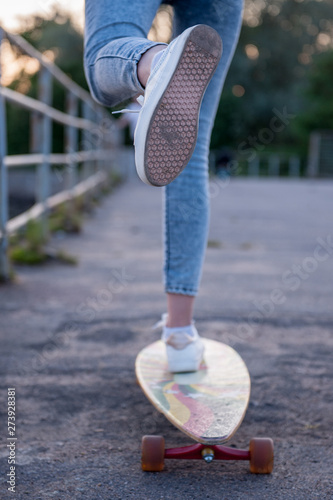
181 291
115 35
107 89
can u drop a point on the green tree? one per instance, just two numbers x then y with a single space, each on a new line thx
275 59
287 35
318 109
63 41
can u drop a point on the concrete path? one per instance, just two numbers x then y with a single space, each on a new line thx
69 337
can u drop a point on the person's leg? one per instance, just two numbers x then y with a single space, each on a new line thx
117 65
187 197
145 63
180 309
115 40
166 131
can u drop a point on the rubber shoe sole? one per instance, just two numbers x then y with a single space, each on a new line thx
171 133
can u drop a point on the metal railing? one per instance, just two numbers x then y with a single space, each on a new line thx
94 152
262 164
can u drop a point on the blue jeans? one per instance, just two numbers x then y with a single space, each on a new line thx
115 39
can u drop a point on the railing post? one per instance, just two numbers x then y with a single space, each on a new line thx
102 142
87 145
97 141
273 166
43 142
71 141
254 167
97 137
103 163
294 166
71 148
109 133
4 264
313 166
88 141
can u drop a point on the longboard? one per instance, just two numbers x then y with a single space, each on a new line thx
207 405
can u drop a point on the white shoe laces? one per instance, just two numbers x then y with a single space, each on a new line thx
139 99
162 322
178 340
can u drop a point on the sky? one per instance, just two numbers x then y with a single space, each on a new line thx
10 11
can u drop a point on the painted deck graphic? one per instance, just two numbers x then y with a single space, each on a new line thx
208 405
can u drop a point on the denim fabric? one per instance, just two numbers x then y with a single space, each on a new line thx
115 39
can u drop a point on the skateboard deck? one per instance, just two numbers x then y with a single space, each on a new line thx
208 405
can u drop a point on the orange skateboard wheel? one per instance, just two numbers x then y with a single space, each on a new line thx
152 458
261 455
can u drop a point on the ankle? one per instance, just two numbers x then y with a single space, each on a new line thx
180 310
144 64
178 322
168 330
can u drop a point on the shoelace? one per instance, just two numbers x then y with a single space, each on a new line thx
162 322
139 99
178 340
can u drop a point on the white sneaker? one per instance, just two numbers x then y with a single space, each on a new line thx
184 347
167 128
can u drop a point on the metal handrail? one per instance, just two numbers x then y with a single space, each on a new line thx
55 159
33 105
95 153
56 72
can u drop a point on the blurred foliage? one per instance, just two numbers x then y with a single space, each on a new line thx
29 247
63 219
283 61
273 62
318 113
62 42
31 250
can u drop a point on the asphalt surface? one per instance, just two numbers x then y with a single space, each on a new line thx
70 335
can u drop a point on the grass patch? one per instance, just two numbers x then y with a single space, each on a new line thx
66 258
246 245
24 255
66 218
11 278
29 247
214 244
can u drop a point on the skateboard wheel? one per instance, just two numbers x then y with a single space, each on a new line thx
261 455
152 458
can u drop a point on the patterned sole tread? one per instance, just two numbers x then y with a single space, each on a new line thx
174 126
